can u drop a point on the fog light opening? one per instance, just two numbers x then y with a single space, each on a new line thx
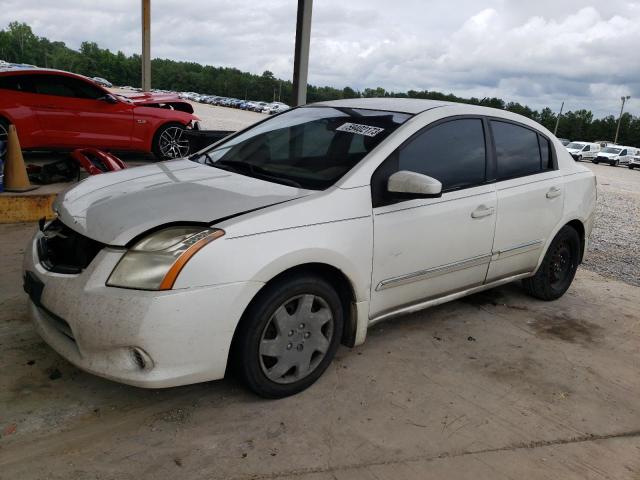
141 359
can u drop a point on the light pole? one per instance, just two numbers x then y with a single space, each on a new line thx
146 46
301 52
555 132
624 99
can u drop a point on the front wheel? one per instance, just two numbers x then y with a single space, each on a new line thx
631 167
288 336
170 141
579 158
558 267
595 161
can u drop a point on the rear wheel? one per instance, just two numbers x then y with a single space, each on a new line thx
558 267
170 141
288 336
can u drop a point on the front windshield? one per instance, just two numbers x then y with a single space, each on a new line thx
310 147
576 146
611 150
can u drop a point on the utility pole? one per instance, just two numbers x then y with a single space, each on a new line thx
624 99
146 45
301 52
555 132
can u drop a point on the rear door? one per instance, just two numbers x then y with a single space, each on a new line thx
530 193
73 113
426 248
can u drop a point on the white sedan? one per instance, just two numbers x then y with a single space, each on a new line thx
267 250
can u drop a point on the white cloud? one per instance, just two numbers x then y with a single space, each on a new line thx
538 53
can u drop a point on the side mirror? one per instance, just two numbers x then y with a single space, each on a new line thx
408 184
108 98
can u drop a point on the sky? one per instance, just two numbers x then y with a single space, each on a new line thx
539 53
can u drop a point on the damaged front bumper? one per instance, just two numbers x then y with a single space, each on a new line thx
141 338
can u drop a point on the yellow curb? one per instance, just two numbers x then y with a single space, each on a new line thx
26 208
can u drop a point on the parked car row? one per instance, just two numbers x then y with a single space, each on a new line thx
251 105
603 152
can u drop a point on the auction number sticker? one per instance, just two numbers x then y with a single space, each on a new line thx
359 129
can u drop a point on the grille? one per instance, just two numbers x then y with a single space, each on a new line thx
63 250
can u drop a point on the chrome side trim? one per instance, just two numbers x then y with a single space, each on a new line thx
433 272
447 298
518 249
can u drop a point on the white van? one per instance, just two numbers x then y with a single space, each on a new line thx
616 155
583 150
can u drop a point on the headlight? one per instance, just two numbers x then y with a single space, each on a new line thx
154 262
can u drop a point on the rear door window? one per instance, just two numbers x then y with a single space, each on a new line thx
518 151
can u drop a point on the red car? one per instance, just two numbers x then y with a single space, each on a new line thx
52 109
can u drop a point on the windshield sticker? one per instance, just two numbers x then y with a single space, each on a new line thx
359 129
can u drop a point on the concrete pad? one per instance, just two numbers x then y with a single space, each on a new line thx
497 385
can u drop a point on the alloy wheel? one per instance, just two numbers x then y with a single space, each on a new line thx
173 143
296 338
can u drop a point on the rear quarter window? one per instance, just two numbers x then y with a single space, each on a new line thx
18 83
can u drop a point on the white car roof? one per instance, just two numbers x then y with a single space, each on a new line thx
390 104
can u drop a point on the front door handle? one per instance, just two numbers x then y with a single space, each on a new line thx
554 192
482 211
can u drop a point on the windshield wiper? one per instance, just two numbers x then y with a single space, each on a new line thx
255 171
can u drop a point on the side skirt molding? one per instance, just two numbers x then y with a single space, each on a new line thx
447 298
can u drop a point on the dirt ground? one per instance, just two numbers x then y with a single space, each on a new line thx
494 386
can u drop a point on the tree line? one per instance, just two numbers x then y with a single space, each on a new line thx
18 44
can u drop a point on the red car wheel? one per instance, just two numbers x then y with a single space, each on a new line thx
171 142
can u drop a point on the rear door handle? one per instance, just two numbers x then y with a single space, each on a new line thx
554 192
482 211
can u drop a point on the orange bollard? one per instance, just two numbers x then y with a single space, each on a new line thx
15 172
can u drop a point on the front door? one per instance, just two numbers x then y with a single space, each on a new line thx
426 248
73 114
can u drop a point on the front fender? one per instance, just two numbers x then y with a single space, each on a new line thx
345 245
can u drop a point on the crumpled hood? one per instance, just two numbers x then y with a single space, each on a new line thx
156 99
113 208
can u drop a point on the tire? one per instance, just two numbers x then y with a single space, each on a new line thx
282 330
170 142
631 167
4 134
558 267
595 161
579 159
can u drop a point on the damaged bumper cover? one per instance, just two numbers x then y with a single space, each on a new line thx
146 339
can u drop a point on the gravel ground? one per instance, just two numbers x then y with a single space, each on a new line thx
614 249
223 118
